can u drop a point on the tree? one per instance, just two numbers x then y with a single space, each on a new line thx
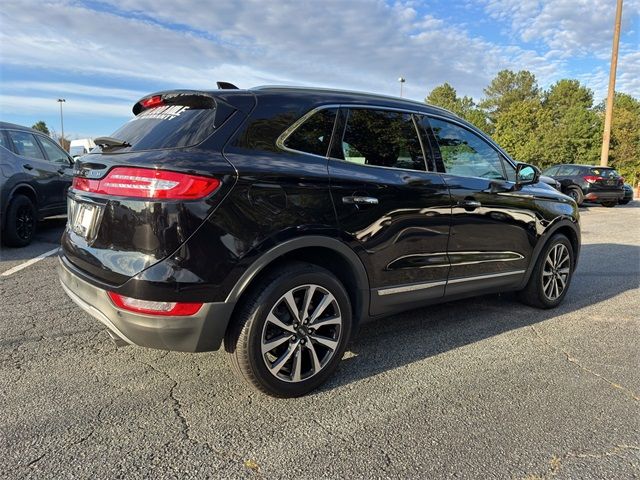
624 153
445 96
566 94
41 126
508 88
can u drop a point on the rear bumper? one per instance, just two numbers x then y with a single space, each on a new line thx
606 196
203 331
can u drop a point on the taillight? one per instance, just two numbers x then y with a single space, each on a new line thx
151 102
177 309
592 178
148 183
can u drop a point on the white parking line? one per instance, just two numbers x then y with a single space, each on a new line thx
17 268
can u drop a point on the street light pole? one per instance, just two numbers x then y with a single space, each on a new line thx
401 80
61 101
606 136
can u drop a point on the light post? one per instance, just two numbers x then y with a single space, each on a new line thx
401 80
61 101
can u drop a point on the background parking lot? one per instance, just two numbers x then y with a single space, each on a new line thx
482 388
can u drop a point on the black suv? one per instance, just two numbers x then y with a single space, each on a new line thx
35 174
587 182
279 219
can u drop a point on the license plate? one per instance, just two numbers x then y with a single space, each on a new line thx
83 218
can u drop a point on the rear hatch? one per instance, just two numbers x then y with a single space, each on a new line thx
143 191
604 179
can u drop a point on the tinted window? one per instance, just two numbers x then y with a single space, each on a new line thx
550 171
53 151
314 135
465 153
568 170
3 141
605 172
384 139
25 144
169 126
77 150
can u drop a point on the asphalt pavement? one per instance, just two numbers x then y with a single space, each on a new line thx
481 388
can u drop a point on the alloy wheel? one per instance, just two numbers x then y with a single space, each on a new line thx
24 222
301 333
556 271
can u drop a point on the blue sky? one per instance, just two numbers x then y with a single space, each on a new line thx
102 56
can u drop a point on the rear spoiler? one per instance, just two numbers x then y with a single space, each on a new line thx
187 98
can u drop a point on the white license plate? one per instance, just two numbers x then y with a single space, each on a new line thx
83 218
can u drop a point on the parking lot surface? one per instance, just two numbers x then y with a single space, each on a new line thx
480 388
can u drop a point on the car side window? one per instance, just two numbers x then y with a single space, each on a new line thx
314 135
3 140
53 151
551 171
568 170
383 139
465 153
25 144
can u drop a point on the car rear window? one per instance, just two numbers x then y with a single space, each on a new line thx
605 172
179 123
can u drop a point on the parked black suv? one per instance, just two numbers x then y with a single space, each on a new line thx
35 173
279 219
587 182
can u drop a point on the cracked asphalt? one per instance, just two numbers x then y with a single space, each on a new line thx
482 388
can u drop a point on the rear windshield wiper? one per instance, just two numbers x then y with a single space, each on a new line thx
110 142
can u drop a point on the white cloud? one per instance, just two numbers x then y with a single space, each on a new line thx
30 105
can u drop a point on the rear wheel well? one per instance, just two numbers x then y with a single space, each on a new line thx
326 258
27 192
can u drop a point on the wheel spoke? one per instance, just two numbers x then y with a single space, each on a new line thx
327 342
564 271
291 304
322 306
314 357
297 365
326 321
279 323
273 343
308 296
284 358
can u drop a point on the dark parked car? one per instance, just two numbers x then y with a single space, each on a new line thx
35 174
279 219
589 183
552 182
628 194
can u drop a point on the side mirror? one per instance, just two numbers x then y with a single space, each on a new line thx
527 174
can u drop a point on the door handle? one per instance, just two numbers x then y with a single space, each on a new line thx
470 204
28 166
60 171
358 200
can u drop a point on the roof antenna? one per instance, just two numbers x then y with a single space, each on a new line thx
226 86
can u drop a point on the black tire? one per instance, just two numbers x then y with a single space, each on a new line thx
250 331
20 224
535 293
576 194
609 204
623 202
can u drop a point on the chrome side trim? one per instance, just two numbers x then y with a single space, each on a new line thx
410 288
421 286
484 277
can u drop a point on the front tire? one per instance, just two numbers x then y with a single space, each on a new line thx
551 276
291 330
20 223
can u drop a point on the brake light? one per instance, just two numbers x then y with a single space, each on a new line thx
149 183
151 102
177 309
592 178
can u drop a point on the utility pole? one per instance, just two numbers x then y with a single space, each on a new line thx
61 101
401 80
606 136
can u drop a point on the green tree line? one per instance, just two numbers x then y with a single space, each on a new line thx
546 127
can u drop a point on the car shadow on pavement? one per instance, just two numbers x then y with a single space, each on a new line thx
604 271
